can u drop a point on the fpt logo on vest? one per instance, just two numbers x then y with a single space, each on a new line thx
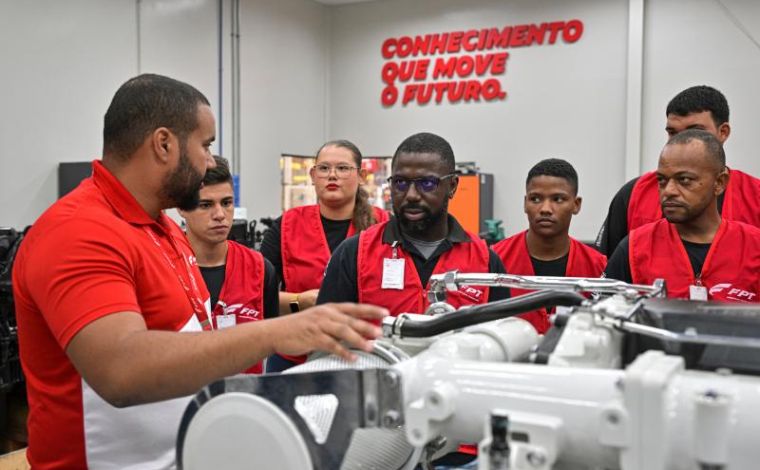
732 293
471 292
240 310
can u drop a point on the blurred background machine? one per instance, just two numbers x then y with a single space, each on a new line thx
472 204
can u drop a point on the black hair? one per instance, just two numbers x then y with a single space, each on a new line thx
219 174
554 167
713 147
363 216
145 103
425 142
698 99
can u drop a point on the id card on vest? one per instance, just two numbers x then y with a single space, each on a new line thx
393 273
225 321
697 292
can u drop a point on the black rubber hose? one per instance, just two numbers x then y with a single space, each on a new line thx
476 314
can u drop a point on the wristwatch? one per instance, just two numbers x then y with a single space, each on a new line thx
294 306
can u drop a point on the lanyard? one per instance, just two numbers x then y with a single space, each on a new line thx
394 245
192 291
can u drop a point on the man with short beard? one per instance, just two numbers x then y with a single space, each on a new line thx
390 263
111 307
700 255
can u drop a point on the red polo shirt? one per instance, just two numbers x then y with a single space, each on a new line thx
93 253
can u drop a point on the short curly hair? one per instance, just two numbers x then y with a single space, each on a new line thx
554 167
698 99
142 105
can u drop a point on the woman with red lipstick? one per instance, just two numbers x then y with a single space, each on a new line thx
299 243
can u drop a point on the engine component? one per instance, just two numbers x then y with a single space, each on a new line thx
578 409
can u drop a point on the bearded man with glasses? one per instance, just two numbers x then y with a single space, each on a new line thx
389 264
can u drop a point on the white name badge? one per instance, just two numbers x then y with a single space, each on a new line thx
562 310
697 292
225 321
393 273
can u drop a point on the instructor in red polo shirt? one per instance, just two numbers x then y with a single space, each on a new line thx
546 248
110 304
700 255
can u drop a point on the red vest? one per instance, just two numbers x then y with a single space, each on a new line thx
242 293
731 271
467 257
305 251
304 248
582 261
741 201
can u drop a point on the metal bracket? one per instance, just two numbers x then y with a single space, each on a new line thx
367 398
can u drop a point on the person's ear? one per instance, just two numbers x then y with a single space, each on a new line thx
453 185
724 131
362 176
161 143
721 182
577 203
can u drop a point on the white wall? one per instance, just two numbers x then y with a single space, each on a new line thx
565 100
179 39
312 72
700 43
61 63
284 67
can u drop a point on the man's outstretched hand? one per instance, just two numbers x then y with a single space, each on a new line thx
332 328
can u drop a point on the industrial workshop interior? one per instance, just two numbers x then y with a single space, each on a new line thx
380 234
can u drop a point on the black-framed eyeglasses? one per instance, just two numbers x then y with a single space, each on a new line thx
424 184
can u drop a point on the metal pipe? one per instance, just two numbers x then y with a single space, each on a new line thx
453 280
407 326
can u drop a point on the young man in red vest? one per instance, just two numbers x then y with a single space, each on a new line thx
546 248
636 203
242 284
389 264
700 255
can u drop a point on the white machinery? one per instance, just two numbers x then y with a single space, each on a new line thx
626 380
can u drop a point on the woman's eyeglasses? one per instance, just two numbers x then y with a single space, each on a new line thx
342 171
424 184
